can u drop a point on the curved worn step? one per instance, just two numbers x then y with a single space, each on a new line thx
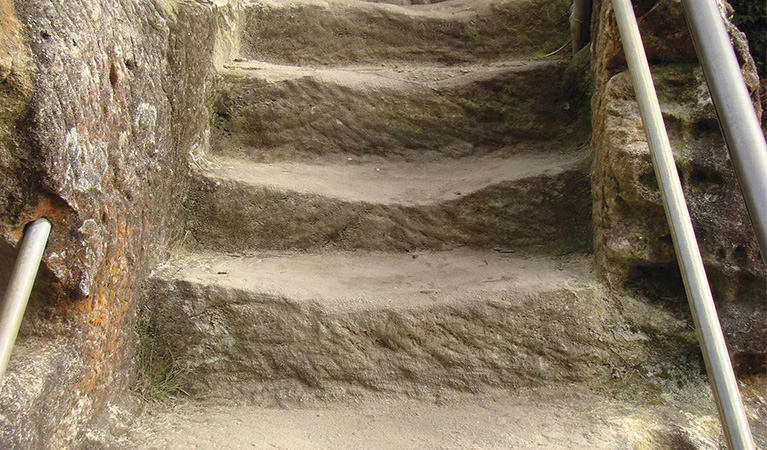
527 200
450 32
264 111
293 325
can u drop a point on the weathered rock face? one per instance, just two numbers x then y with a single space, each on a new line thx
632 240
102 109
103 101
15 92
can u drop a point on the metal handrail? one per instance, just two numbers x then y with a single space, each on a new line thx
737 117
580 24
20 286
717 360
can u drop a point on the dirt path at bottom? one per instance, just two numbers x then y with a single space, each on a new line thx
561 417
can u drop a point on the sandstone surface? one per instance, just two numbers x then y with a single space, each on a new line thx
631 238
103 103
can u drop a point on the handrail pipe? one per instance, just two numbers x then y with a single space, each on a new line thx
20 286
580 24
720 373
737 117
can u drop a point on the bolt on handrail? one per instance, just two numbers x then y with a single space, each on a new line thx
20 286
720 373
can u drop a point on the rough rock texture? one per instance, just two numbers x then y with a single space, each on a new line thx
104 104
15 92
537 200
330 32
267 328
37 404
265 111
107 101
632 241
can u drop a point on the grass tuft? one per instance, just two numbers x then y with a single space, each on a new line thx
160 375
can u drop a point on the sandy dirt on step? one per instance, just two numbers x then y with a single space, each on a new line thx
559 418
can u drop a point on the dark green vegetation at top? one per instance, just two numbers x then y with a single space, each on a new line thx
751 18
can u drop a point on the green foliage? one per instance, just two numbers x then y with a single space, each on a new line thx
751 18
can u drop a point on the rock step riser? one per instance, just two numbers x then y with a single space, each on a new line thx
546 212
252 346
364 32
260 119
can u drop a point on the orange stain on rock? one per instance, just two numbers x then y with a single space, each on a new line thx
52 208
107 311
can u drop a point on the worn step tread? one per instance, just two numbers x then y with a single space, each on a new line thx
380 280
296 327
454 31
263 109
394 181
385 74
454 9
535 199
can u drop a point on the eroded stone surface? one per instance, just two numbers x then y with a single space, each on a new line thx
102 104
522 201
269 328
632 241
108 101
266 112
36 395
549 417
349 31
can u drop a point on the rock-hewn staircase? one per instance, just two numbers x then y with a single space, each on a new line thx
392 220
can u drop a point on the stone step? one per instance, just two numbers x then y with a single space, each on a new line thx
533 199
266 112
555 417
450 32
282 327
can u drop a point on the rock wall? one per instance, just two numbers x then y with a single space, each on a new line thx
631 236
102 106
